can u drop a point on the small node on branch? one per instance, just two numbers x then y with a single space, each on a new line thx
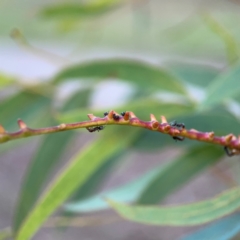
132 115
194 130
155 125
163 119
91 116
2 130
22 124
126 116
211 135
153 118
110 114
166 128
62 126
228 138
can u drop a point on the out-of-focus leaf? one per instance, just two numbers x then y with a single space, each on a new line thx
151 140
31 108
224 229
225 86
222 32
93 183
25 105
198 75
142 109
80 168
126 193
179 172
42 164
5 80
77 10
140 73
78 100
217 120
46 158
182 215
5 234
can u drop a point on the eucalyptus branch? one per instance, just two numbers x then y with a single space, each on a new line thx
178 131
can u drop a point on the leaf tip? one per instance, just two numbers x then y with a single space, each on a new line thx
62 126
163 119
2 130
22 124
228 138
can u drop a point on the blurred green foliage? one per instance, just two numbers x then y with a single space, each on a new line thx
171 89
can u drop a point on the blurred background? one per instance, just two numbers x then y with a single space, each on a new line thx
60 60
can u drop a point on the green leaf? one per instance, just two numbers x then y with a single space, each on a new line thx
31 108
127 193
141 108
95 181
218 120
224 229
182 215
5 80
179 172
70 10
25 105
195 74
151 140
140 73
47 156
42 164
75 174
224 87
78 100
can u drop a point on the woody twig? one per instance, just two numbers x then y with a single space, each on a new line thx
178 131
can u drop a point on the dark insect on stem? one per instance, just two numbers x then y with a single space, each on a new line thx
123 113
178 138
105 114
116 117
180 126
228 151
94 129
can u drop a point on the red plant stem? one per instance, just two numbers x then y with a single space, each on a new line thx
230 141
